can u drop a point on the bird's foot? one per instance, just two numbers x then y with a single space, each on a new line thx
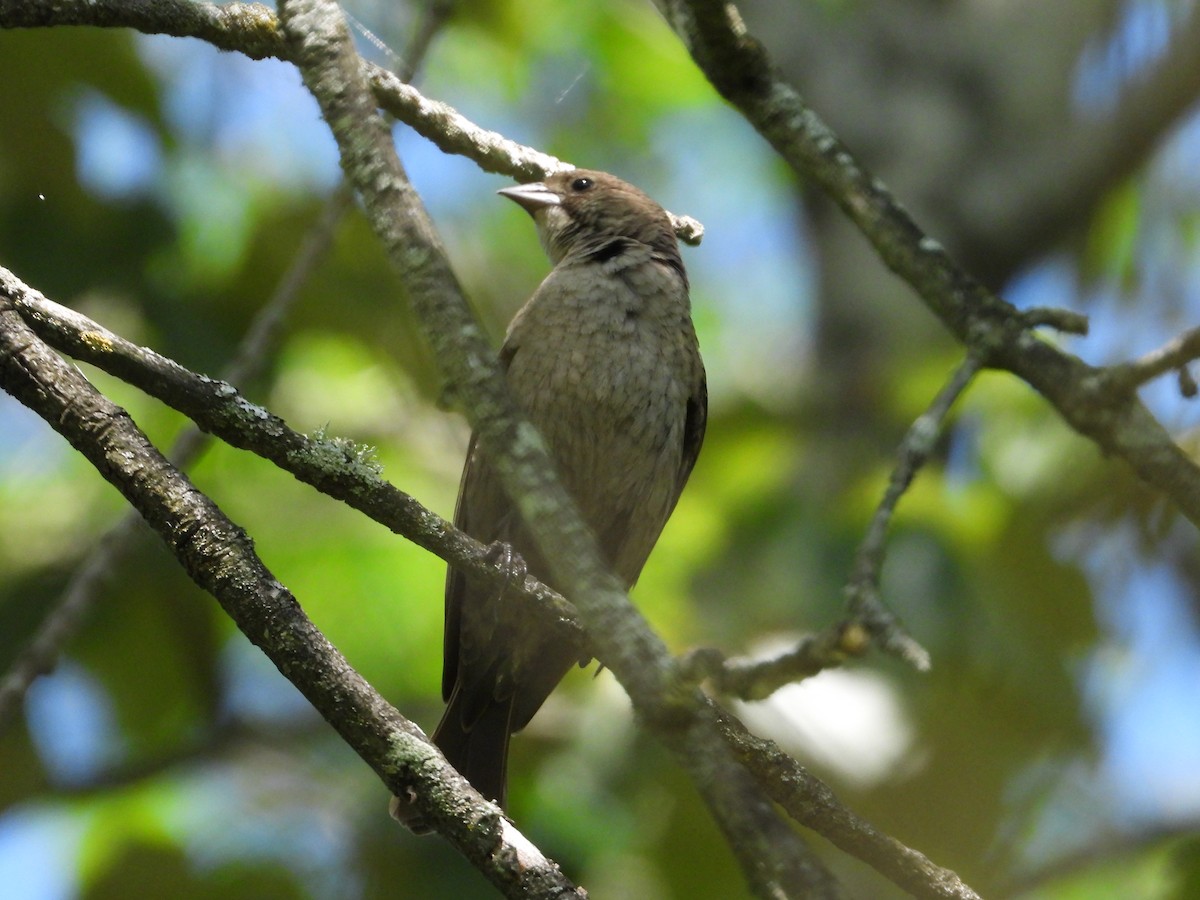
511 564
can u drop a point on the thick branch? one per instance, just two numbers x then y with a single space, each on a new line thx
1116 421
333 467
811 803
62 622
773 860
219 557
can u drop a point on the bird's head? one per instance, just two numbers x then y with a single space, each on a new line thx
581 208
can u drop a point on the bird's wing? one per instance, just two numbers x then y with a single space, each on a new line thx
484 512
693 430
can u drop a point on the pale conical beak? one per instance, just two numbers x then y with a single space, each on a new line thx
531 197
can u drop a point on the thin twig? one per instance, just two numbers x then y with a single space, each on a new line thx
253 29
869 622
862 592
63 622
756 678
42 651
1174 355
1065 320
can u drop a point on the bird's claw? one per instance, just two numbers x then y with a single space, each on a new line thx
511 564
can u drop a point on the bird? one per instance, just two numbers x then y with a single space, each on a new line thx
604 361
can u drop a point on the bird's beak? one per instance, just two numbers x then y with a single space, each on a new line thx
531 197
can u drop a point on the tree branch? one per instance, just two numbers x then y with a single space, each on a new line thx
219 557
768 850
754 678
810 802
862 592
333 466
63 622
329 466
1116 421
60 625
1172 356
868 621
772 858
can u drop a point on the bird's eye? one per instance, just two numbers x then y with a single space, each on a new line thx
581 184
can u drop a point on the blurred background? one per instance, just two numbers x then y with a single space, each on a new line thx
1053 751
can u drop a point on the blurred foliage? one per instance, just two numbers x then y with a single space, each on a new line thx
164 751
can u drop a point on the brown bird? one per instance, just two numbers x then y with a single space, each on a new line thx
603 360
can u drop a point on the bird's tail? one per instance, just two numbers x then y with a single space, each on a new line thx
477 745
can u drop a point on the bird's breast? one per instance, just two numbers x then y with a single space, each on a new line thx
604 371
